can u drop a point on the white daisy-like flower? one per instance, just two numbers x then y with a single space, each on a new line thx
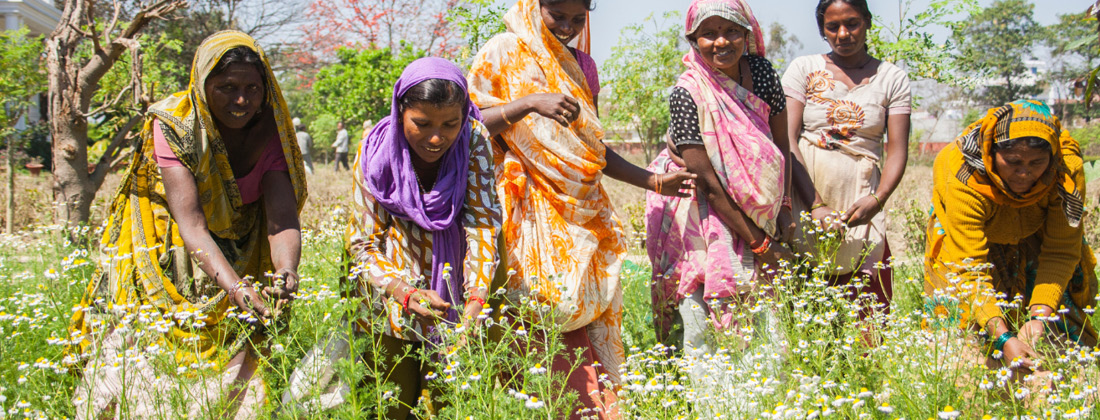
949 413
534 403
1021 393
537 369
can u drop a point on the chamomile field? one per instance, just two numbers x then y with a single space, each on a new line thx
798 349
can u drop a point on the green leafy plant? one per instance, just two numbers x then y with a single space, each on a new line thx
636 98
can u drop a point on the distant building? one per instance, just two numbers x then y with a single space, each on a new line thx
40 18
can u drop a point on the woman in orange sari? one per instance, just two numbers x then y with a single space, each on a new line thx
565 244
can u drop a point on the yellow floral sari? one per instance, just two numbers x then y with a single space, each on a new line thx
146 270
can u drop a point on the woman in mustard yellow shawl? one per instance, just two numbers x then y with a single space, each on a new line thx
1006 224
565 244
200 248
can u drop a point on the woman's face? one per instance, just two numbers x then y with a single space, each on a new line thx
565 19
721 43
1021 166
430 130
845 29
235 95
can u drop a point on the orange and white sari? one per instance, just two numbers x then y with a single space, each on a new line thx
565 245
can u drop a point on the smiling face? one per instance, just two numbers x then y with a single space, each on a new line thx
845 29
1021 166
565 19
430 130
721 43
235 95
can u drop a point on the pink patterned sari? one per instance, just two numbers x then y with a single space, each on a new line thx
688 245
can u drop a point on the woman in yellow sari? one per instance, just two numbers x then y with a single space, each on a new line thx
200 248
565 244
1006 224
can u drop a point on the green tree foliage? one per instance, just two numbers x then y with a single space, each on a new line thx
477 21
782 47
358 87
644 63
993 44
1074 54
22 76
909 41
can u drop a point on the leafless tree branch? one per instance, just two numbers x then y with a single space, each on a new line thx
107 161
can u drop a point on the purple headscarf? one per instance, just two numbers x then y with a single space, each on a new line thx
388 171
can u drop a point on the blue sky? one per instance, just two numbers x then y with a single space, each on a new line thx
610 16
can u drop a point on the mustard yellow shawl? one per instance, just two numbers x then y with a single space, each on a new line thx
145 268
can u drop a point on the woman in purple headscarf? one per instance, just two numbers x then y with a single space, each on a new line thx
424 245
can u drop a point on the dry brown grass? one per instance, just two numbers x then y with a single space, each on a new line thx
329 191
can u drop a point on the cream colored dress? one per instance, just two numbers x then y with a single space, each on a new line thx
842 137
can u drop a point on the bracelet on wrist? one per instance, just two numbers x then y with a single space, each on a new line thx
764 246
818 205
480 301
504 115
878 202
405 302
999 343
786 203
232 292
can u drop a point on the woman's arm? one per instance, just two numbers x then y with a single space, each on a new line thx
778 125
673 184
710 188
802 184
284 233
897 155
558 107
365 244
481 222
182 195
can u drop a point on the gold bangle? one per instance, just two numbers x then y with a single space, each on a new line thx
504 115
818 205
657 181
878 202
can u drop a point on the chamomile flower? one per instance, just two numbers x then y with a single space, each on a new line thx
949 413
534 403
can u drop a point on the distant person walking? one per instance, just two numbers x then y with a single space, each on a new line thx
341 146
305 142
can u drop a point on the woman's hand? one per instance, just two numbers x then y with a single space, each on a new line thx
427 304
1031 332
249 300
285 284
674 184
558 107
1016 350
827 218
470 313
785 225
861 212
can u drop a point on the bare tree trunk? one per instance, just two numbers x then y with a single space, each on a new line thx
72 84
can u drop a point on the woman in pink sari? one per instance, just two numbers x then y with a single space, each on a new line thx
728 126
